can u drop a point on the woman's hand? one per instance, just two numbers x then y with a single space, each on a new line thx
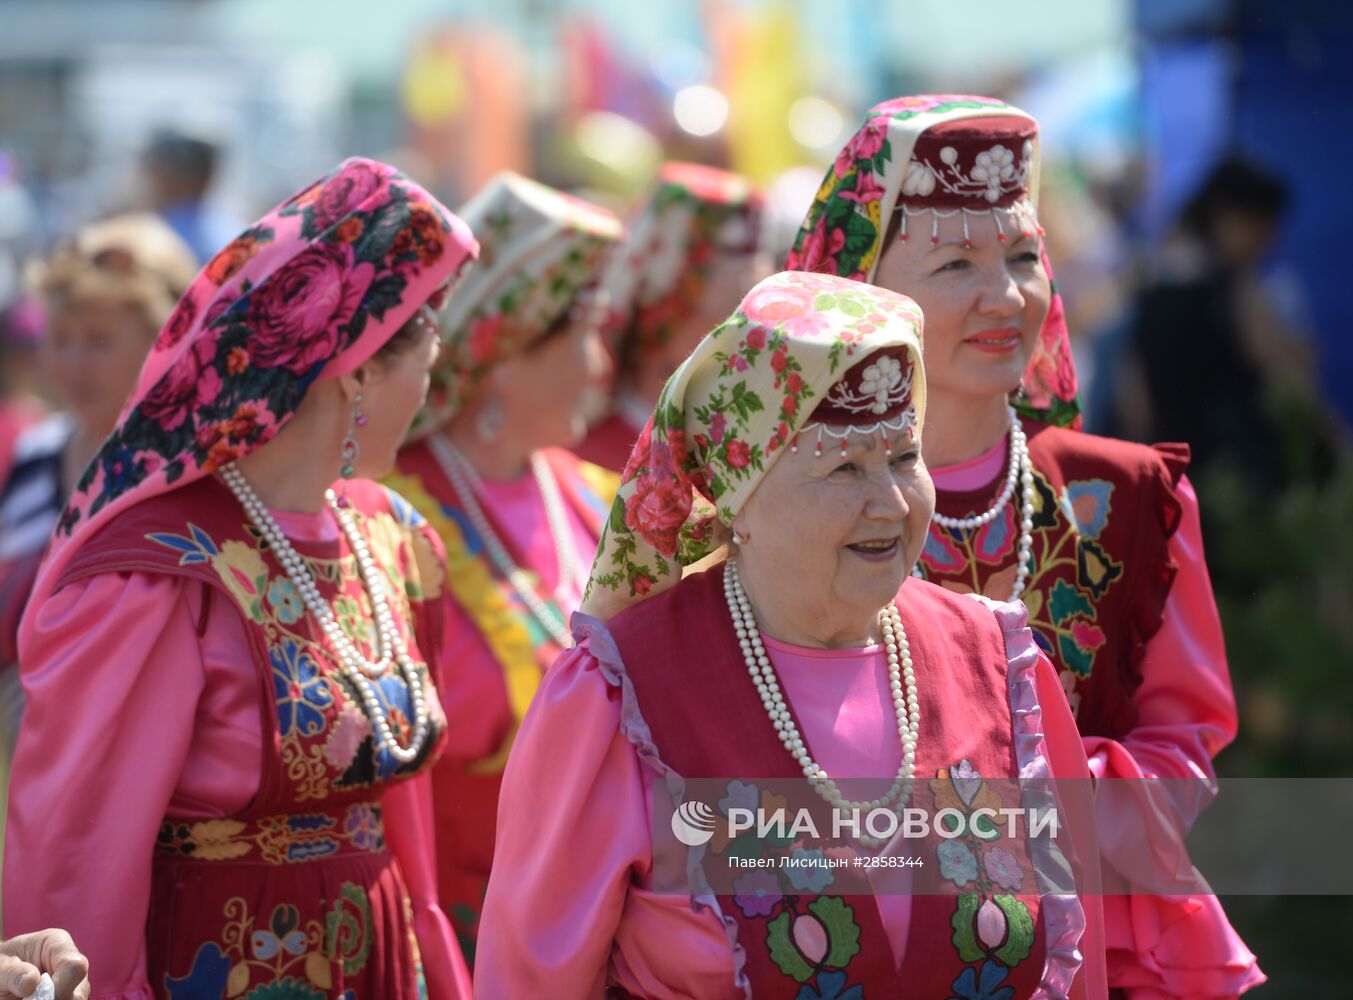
23 959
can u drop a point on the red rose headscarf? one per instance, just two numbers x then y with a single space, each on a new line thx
310 291
945 154
801 348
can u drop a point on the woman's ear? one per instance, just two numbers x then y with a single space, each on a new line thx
354 382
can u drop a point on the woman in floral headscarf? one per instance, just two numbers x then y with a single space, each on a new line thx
519 516
688 257
796 425
935 197
230 665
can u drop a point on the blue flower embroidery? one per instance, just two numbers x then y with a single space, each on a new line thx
286 600
809 879
1086 505
983 985
957 863
830 986
302 691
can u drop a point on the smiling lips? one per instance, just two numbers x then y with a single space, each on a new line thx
1003 340
876 551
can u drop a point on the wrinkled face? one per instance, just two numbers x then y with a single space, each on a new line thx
548 392
983 307
91 356
835 536
394 386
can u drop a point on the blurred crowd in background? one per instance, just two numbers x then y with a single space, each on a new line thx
1197 213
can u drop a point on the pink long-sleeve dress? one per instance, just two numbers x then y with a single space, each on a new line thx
572 909
1172 716
142 708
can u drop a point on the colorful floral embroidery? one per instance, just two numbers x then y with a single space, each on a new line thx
284 958
1071 572
277 840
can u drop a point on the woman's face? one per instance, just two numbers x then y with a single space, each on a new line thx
548 392
983 307
393 388
91 356
831 538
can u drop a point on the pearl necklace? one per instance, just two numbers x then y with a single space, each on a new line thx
461 474
1021 470
901 682
351 662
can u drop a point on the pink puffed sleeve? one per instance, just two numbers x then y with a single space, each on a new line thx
573 828
410 832
1177 943
112 675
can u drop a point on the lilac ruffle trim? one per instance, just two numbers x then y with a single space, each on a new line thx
1063 916
635 729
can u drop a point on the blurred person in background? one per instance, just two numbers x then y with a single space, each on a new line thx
935 197
106 293
689 255
229 656
1210 349
21 323
518 514
178 169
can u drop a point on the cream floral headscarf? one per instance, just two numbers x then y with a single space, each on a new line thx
727 415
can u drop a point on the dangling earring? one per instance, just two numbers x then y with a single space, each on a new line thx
739 538
351 449
489 421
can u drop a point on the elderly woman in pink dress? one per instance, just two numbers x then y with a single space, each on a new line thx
935 197
518 514
805 653
230 654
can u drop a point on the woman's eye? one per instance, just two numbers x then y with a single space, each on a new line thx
959 264
906 458
844 467
1028 257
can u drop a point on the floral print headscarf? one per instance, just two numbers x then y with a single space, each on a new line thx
848 221
310 291
693 213
540 248
727 415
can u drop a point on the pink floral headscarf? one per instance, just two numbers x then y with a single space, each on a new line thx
693 213
308 292
848 221
727 415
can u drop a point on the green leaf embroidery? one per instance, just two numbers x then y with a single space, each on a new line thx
782 951
965 939
1064 602
1021 940
843 933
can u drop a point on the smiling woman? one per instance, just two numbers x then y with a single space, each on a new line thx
808 654
935 197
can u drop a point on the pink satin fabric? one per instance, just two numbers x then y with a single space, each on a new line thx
176 731
477 710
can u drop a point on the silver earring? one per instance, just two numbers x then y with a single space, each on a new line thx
489 422
351 450
738 538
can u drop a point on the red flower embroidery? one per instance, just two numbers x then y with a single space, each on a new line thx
180 322
738 453
231 260
192 382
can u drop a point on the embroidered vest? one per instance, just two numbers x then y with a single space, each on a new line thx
296 892
1104 512
707 721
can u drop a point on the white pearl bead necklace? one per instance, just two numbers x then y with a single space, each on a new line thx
1022 471
901 683
463 477
352 663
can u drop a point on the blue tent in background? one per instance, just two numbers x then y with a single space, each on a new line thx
1273 83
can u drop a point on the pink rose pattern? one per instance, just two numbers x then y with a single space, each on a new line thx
690 456
843 232
236 357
